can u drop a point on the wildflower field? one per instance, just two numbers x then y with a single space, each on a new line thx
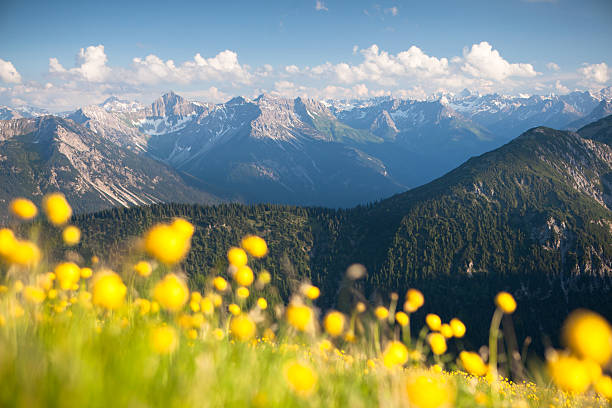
74 333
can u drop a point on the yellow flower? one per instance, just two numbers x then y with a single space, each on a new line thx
237 257
299 316
68 274
171 293
57 209
33 294
196 297
7 241
569 373
334 323
244 276
45 280
242 292
95 260
242 327
381 312
206 305
108 290
433 321
23 208
395 354
218 334
163 340
458 327
168 243
143 268
505 302
588 335
220 284
194 306
264 277
71 235
262 303
301 378
255 246
18 286
430 390
360 307
604 386
24 253
192 334
472 363
310 291
86 273
234 309
446 331
143 305
402 319
414 300
183 227
437 342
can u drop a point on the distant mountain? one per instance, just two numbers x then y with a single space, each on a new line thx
47 153
20 112
533 217
600 111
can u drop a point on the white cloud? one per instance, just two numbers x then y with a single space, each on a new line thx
320 6
92 66
292 69
212 94
8 73
560 88
483 61
552 66
393 11
599 73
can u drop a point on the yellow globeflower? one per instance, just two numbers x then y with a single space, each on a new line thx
168 243
255 246
395 354
171 293
71 235
446 331
414 300
569 373
264 277
24 253
588 335
242 327
242 292
163 340
207 306
437 342
604 386
23 208
7 242
458 327
433 321
220 284
86 273
402 319
108 290
234 309
505 302
430 390
301 378
472 363
183 227
381 312
94 260
262 303
143 268
237 257
67 274
311 291
33 294
299 316
57 209
244 276
334 323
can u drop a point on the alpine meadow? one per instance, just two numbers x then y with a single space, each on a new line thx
307 203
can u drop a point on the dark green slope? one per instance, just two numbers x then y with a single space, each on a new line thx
532 217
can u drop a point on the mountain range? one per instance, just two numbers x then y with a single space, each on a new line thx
271 149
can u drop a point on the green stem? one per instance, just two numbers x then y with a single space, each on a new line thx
493 339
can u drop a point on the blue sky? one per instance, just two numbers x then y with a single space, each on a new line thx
61 54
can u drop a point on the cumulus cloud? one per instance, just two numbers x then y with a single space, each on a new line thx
560 88
320 6
599 73
92 65
552 66
383 68
392 10
484 62
8 73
